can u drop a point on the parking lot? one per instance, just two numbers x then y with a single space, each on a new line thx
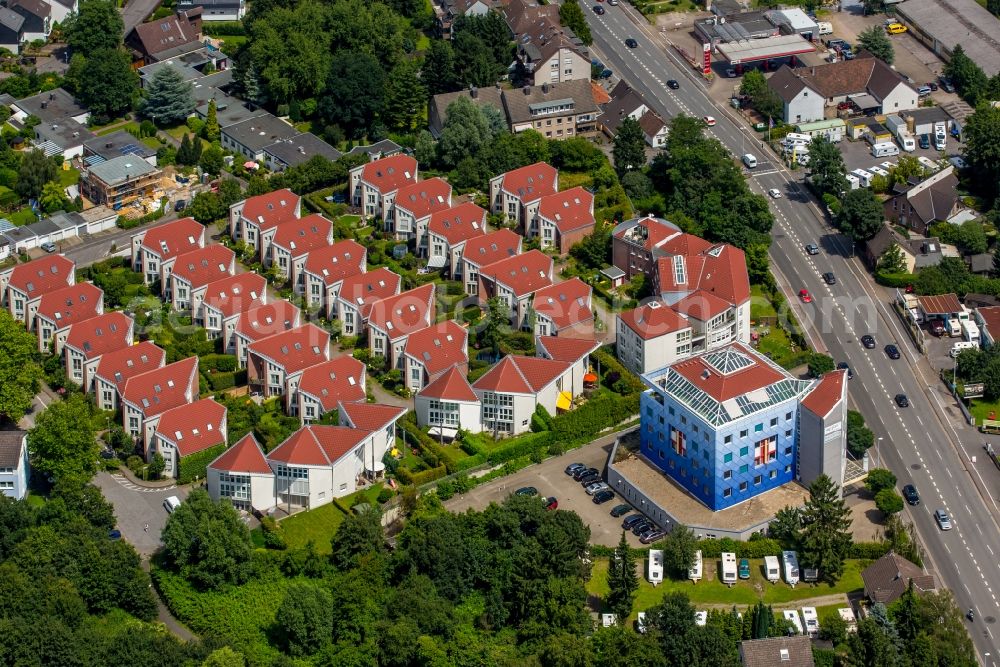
551 480
136 508
858 154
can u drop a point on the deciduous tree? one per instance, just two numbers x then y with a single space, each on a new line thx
888 501
35 171
207 542
54 198
860 214
108 84
305 618
826 167
19 369
825 532
359 535
629 151
878 479
968 78
679 547
63 442
892 260
464 134
97 25
572 16
982 150
405 97
820 364
355 92
438 71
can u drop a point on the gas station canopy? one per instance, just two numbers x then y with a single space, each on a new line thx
755 50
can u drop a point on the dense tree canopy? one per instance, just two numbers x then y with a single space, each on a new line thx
19 369
97 25
982 150
63 442
877 42
207 542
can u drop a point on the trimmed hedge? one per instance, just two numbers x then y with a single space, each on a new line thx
626 377
194 465
222 381
437 453
422 477
594 416
713 548
895 279
523 445
868 550
223 363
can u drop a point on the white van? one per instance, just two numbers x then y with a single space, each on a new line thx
954 327
750 160
957 348
940 140
171 503
825 28
885 150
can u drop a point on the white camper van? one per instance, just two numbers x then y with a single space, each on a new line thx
811 618
771 569
864 177
654 570
694 574
825 28
790 561
958 348
728 564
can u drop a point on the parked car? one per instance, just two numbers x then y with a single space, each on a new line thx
642 527
925 141
892 351
868 341
591 489
603 496
621 510
911 495
937 327
573 467
526 491
115 534
180 205
942 518
946 84
896 28
590 479
651 536
172 503
551 503
744 569
902 401
844 366
48 246
923 91
631 520
581 472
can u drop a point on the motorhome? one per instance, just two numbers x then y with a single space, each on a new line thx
825 28
879 170
772 570
954 328
885 150
792 617
793 137
906 142
811 618
694 574
853 181
729 568
864 177
970 331
654 569
847 615
790 562
958 348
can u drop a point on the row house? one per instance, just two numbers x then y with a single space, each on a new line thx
194 271
514 280
275 364
253 221
224 300
564 218
510 392
118 366
430 352
88 341
377 419
447 233
188 430
148 395
359 292
448 404
155 250
23 285
415 203
564 309
263 322
293 241
326 269
62 308
327 384
392 320
517 194
242 476
374 186
15 466
573 351
481 251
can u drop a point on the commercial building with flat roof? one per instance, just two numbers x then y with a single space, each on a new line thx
944 24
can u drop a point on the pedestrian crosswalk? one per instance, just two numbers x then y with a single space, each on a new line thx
124 481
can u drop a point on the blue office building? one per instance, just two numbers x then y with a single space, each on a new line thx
730 424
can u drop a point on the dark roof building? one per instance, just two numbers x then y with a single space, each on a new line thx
296 150
888 578
777 652
933 200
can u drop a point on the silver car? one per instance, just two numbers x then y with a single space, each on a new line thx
595 487
944 521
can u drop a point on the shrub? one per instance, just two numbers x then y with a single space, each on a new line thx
222 381
384 496
194 465
868 550
538 424
898 280
223 363
445 489
609 364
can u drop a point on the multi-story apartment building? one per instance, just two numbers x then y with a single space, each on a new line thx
359 292
275 364
90 340
223 302
393 319
194 271
22 286
118 366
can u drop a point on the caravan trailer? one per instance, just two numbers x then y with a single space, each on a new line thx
771 568
694 574
791 565
811 618
864 177
654 570
792 617
853 181
847 615
970 331
885 149
728 564
879 170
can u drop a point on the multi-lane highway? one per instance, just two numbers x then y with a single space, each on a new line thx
923 444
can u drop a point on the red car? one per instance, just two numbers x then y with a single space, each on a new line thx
805 296
550 503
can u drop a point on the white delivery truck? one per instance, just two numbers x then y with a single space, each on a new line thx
654 569
694 574
772 569
728 564
790 562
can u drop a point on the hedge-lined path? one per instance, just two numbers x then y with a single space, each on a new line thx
164 616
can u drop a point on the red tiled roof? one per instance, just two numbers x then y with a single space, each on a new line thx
68 305
531 182
523 273
991 318
404 313
204 265
521 375
268 320
653 320
364 289
701 305
565 304
271 209
236 294
296 349
724 387
194 427
330 382
119 365
317 445
245 456
335 262
657 231
685 244
42 275
569 210
301 236
485 250
459 223
826 393
600 95
163 388
565 349
680 273
720 270
424 197
174 238
452 386
390 173
371 417
100 334
439 346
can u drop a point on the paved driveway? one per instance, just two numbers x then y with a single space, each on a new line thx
551 480
135 507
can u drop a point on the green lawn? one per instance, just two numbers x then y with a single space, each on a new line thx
981 409
572 179
22 216
115 126
68 177
711 591
320 524
232 43
760 304
778 346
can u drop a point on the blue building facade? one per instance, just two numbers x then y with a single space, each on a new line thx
723 425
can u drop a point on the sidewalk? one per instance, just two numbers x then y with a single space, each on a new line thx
385 397
164 616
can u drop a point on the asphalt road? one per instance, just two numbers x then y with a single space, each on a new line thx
137 11
925 444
